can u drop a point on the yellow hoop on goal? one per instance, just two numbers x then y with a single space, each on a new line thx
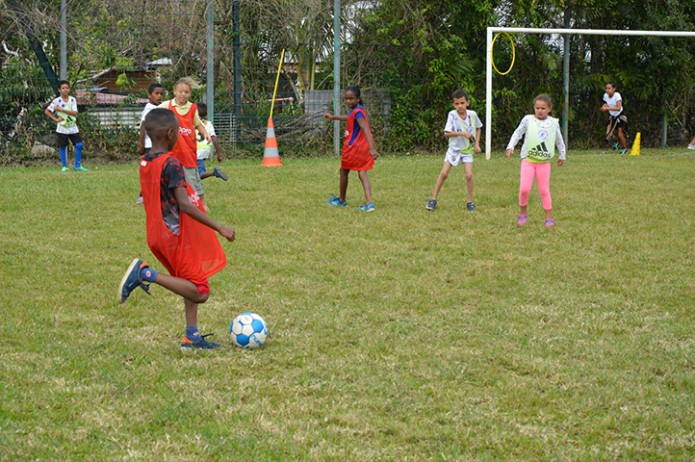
492 54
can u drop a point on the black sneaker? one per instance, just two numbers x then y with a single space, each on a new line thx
201 344
470 207
431 205
131 280
220 174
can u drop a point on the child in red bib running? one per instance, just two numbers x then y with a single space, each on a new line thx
358 149
542 136
186 148
179 233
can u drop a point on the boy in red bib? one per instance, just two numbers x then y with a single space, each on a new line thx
179 233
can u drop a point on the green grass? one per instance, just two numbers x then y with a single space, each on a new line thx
401 335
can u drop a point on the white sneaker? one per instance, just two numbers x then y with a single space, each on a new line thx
691 146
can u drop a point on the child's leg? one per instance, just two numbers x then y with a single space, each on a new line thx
63 149
343 183
179 286
78 154
543 179
468 170
621 138
64 156
443 175
366 185
525 184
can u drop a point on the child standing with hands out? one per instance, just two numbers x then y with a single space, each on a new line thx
63 111
463 130
179 233
542 136
358 149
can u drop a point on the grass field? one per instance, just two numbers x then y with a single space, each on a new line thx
400 335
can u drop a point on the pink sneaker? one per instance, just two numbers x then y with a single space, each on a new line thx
549 223
522 220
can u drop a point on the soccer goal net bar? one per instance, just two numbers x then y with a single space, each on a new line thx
525 30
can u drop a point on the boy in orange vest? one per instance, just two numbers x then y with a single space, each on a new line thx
179 233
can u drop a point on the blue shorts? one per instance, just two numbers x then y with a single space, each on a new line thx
201 166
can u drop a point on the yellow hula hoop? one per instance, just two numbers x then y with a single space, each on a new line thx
492 54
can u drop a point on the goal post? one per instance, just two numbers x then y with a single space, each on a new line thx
531 30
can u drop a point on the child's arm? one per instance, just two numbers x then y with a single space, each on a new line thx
218 148
516 136
476 148
141 142
202 131
464 133
335 117
51 115
560 144
368 135
617 106
65 111
194 212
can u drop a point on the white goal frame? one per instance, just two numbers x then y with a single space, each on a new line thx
527 30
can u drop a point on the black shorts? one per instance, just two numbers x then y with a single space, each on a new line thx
63 139
622 122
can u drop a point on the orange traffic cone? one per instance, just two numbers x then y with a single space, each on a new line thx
271 156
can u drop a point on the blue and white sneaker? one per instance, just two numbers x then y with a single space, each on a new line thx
335 202
470 206
367 208
131 280
201 344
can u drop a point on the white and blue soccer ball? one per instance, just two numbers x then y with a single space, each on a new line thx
248 330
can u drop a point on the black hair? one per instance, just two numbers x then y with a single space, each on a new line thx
153 86
460 94
202 109
612 84
159 120
355 90
63 82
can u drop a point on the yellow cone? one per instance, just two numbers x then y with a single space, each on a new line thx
636 145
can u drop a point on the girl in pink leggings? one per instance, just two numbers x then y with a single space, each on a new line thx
542 136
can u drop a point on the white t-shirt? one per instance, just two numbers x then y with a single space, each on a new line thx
471 122
612 102
70 105
205 148
148 107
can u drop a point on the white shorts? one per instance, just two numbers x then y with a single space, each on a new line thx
454 158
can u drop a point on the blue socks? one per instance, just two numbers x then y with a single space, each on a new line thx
148 274
64 155
78 154
192 334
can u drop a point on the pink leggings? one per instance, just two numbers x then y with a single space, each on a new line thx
542 173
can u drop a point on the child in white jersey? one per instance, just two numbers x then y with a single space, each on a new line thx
63 111
155 93
617 123
463 130
205 148
542 136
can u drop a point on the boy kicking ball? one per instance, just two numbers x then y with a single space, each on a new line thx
179 233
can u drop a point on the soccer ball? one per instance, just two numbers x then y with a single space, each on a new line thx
248 330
